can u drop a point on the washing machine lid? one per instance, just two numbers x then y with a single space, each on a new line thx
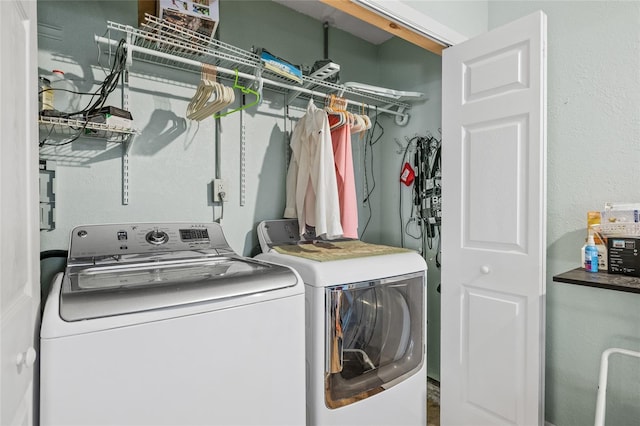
116 269
101 291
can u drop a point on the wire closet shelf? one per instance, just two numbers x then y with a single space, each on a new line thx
161 42
69 128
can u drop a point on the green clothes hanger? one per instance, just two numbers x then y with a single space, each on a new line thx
244 90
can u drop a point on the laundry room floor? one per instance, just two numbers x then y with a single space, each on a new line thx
433 413
433 403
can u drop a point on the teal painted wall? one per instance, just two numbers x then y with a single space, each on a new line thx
407 67
172 161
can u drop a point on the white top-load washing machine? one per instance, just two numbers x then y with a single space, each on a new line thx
163 324
366 327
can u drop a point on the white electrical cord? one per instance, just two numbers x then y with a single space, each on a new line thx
221 195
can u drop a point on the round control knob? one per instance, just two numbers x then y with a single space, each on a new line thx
157 237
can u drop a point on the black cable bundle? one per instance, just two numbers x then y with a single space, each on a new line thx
106 88
368 146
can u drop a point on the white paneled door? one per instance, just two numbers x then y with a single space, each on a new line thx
494 215
19 229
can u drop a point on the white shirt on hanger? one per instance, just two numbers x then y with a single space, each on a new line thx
312 190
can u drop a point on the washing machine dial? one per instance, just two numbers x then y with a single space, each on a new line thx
157 237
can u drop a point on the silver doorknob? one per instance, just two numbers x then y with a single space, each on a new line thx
485 269
26 358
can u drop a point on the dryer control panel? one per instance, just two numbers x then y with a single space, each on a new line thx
92 241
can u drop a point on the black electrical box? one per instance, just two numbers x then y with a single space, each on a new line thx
623 254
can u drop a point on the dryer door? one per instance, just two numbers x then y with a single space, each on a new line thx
375 336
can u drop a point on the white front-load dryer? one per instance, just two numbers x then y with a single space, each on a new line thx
366 327
162 324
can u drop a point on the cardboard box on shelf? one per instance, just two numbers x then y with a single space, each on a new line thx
144 7
593 222
201 16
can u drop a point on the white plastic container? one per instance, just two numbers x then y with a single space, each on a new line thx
45 97
65 97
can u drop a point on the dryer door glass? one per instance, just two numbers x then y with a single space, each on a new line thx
375 336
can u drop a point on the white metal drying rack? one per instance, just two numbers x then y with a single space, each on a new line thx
159 41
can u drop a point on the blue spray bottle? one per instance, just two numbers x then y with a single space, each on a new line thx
591 255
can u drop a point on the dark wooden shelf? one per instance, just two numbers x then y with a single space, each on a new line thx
603 280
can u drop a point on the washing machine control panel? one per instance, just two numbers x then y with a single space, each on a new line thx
91 241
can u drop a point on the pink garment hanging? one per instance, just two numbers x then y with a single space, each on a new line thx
343 158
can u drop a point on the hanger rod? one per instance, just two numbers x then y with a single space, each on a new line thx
230 72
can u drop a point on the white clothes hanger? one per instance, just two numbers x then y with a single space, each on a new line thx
200 106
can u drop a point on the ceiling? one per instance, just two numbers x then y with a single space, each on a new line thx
337 19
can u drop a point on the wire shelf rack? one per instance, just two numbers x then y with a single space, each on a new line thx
67 128
161 42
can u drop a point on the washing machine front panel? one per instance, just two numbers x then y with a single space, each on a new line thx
374 336
242 365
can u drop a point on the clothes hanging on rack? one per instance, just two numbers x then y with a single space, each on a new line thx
312 191
343 157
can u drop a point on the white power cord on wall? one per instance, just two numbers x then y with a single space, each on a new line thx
221 195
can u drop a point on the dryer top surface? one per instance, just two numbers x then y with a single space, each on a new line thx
337 272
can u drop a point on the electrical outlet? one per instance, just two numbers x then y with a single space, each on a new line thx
220 187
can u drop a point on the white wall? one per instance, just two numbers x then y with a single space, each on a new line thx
593 152
468 18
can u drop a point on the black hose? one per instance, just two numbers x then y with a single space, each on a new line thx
53 253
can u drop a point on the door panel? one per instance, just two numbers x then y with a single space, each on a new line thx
497 229
497 73
497 349
19 238
494 249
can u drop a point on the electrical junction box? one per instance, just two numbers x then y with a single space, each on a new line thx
112 116
220 191
623 255
47 195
